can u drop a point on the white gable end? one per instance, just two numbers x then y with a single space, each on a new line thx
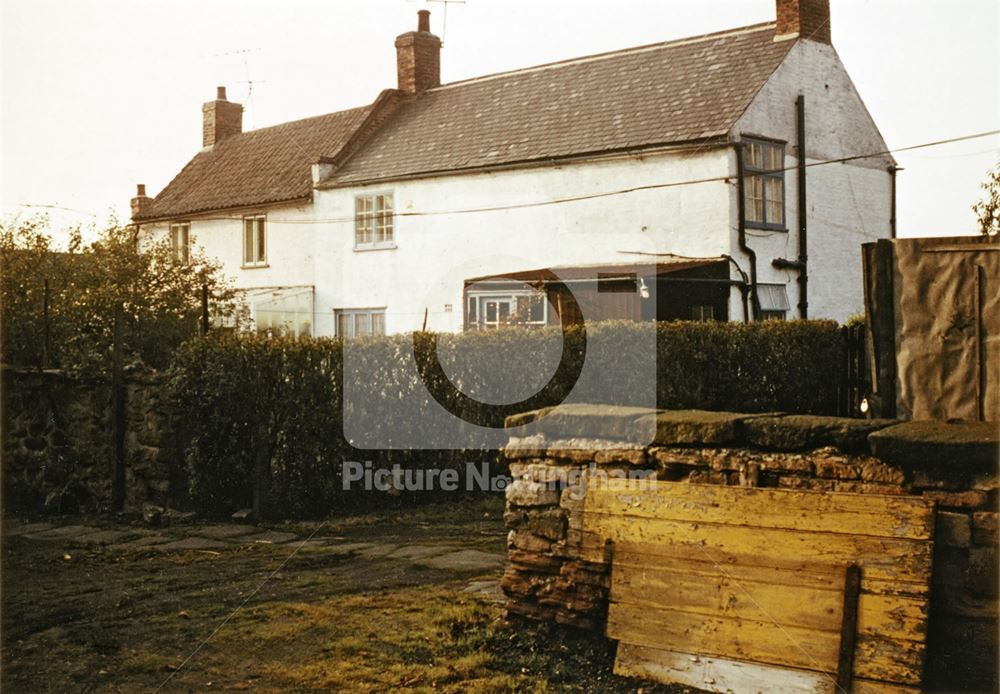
849 203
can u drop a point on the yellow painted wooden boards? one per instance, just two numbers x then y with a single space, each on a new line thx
765 558
859 514
787 614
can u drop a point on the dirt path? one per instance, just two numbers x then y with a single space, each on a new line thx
85 603
392 602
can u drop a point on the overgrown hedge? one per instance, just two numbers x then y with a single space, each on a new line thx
235 395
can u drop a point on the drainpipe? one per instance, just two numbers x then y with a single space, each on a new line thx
800 113
742 228
744 285
892 204
800 263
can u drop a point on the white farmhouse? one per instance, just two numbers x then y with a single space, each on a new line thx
730 176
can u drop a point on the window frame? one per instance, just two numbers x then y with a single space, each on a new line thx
258 259
773 308
373 197
477 319
181 253
764 174
702 313
353 314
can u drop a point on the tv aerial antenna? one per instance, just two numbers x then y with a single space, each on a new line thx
245 54
444 23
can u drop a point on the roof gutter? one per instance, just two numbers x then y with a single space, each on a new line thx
658 148
203 214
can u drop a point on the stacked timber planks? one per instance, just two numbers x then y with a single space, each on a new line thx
748 589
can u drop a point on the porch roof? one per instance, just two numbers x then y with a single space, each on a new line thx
654 267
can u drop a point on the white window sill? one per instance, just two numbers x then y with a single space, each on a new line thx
361 248
256 266
761 226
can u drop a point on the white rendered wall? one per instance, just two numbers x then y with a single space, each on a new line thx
848 203
289 229
437 247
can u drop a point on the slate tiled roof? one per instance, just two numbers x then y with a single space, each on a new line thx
256 167
678 91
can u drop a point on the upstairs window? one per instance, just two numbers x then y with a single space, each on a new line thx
180 241
764 184
373 221
254 241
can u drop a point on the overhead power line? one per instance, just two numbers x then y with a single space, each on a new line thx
619 191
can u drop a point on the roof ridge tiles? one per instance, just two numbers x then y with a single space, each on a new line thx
610 54
675 91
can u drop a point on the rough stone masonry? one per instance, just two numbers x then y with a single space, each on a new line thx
953 464
57 447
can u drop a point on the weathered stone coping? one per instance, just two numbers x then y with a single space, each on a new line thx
902 444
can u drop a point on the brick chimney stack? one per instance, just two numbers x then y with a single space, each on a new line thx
807 19
141 201
418 57
221 119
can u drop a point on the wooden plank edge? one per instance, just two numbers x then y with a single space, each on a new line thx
914 534
848 627
880 558
667 501
714 674
729 675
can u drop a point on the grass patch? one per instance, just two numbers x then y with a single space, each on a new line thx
417 639
123 619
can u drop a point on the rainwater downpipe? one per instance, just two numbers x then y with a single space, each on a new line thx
742 228
744 285
800 118
892 204
800 264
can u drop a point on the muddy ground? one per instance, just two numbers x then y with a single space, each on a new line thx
400 601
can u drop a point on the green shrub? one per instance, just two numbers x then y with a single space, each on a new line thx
237 394
77 293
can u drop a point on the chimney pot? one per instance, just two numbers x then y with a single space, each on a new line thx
141 201
804 19
418 57
220 119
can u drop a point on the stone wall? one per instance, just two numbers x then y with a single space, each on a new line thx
953 464
57 443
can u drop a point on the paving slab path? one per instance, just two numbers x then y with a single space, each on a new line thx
446 555
94 605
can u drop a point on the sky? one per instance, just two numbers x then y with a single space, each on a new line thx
98 95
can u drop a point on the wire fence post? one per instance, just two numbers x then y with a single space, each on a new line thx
203 326
261 470
45 324
118 413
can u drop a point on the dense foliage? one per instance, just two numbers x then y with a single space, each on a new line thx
987 209
308 405
160 298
